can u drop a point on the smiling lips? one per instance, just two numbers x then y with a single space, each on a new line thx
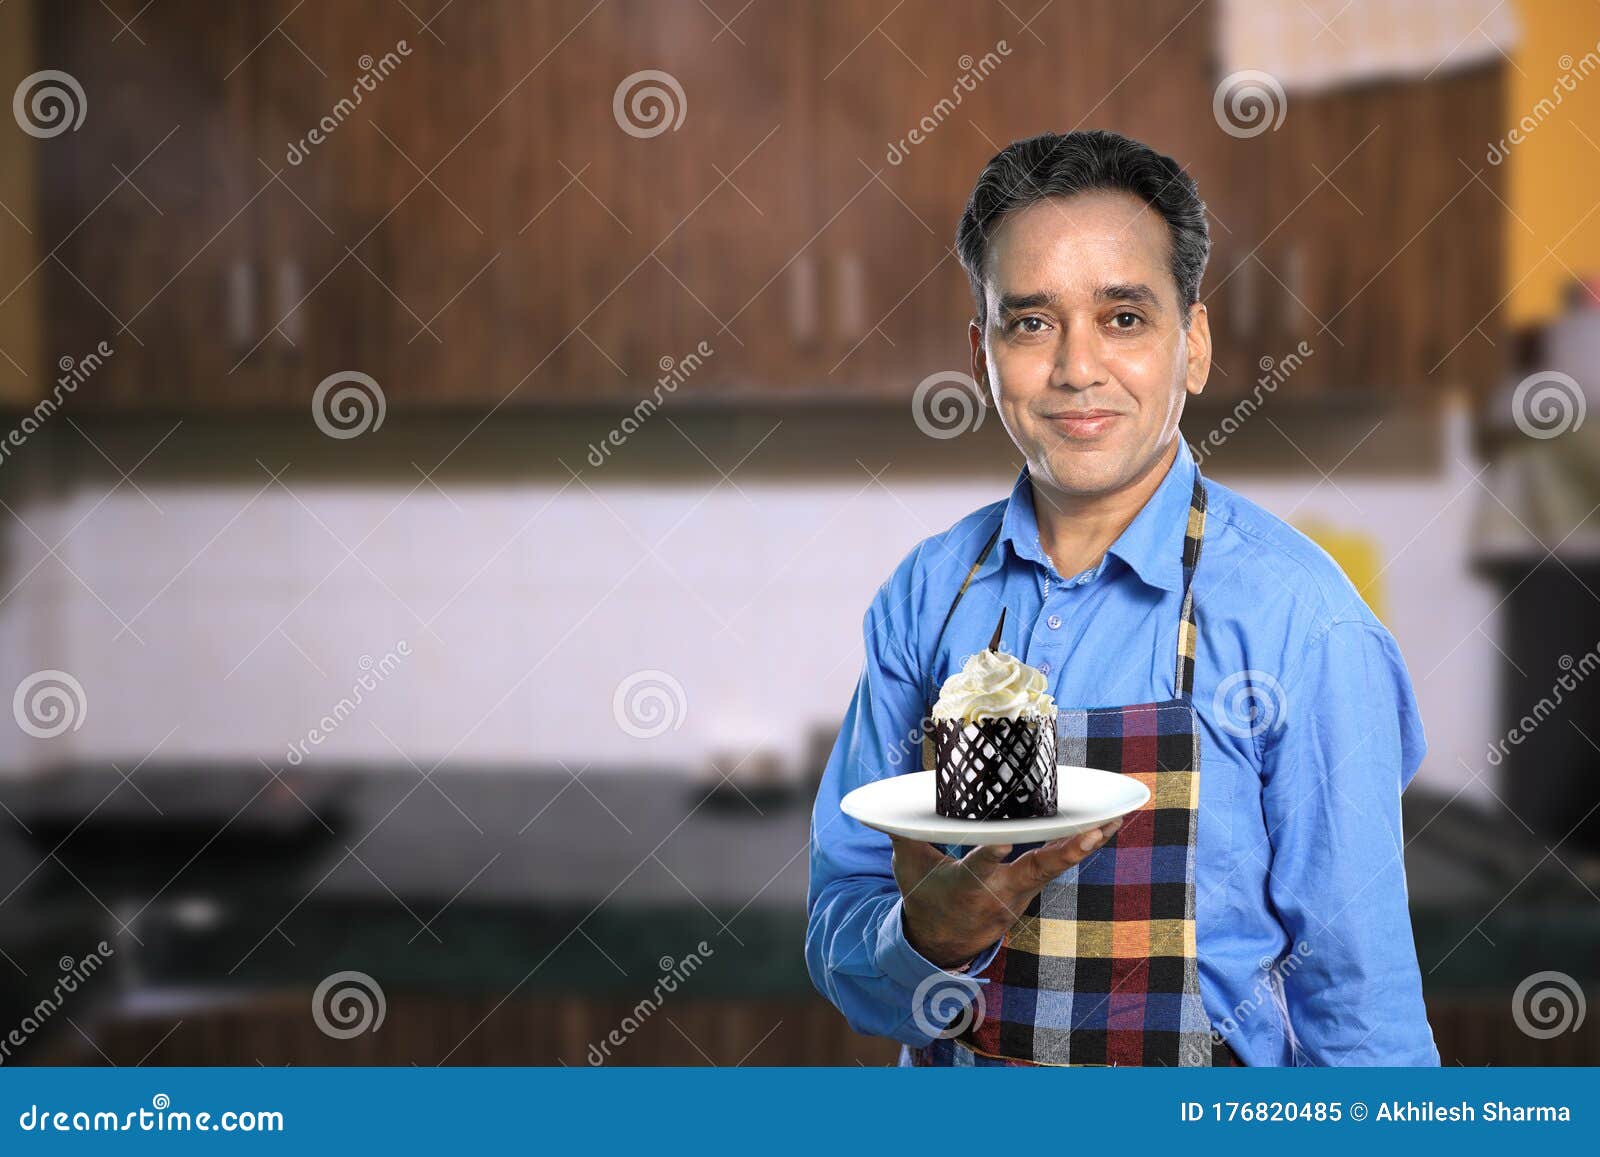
1084 423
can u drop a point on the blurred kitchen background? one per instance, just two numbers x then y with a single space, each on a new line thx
451 447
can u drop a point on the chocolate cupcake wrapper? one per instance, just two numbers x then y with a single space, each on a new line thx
995 769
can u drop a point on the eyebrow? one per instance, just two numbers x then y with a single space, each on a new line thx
1136 293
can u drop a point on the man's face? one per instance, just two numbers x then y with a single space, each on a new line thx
1083 315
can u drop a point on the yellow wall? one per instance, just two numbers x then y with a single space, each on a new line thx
1553 174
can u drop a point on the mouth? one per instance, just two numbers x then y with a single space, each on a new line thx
1083 424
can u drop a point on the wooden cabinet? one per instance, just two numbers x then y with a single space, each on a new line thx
482 207
1386 236
149 207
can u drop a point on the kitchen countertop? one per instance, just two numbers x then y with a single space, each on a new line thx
493 878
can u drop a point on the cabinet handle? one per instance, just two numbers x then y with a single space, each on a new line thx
290 289
803 320
850 301
1244 291
241 304
1294 277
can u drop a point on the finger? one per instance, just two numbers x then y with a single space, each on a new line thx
986 856
1038 867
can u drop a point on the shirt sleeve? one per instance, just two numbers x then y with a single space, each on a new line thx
1349 742
856 947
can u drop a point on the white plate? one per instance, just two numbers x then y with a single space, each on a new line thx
902 805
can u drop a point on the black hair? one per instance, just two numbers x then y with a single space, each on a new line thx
1064 164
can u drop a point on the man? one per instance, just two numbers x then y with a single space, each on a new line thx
1254 912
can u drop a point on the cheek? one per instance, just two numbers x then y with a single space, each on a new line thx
1147 367
1022 369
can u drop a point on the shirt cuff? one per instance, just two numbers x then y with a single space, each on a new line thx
905 965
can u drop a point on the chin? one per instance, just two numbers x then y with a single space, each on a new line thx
1083 472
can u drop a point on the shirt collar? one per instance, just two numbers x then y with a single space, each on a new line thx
1151 545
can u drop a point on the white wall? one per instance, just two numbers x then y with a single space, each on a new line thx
525 607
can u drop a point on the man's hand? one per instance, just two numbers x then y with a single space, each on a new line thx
954 909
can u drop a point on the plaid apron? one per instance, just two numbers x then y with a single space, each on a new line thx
1101 968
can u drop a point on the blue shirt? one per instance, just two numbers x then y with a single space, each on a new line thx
1309 733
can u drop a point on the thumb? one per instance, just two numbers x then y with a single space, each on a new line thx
917 853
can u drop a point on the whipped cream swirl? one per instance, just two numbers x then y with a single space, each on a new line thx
993 685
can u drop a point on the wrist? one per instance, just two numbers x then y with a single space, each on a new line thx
950 957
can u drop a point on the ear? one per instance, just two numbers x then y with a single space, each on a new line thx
1199 345
980 366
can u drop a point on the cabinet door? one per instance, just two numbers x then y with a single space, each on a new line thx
896 159
150 203
402 154
1386 233
708 227
917 99
498 219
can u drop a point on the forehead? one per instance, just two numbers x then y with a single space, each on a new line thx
1078 243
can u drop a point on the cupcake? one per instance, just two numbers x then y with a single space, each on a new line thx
994 740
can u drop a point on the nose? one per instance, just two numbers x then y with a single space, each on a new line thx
1079 365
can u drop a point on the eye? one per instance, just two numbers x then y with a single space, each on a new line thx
1126 320
1013 326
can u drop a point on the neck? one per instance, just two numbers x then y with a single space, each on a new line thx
1075 530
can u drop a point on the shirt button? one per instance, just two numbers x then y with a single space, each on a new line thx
1054 622
1044 668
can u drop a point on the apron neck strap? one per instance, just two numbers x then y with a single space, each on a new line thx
1193 537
